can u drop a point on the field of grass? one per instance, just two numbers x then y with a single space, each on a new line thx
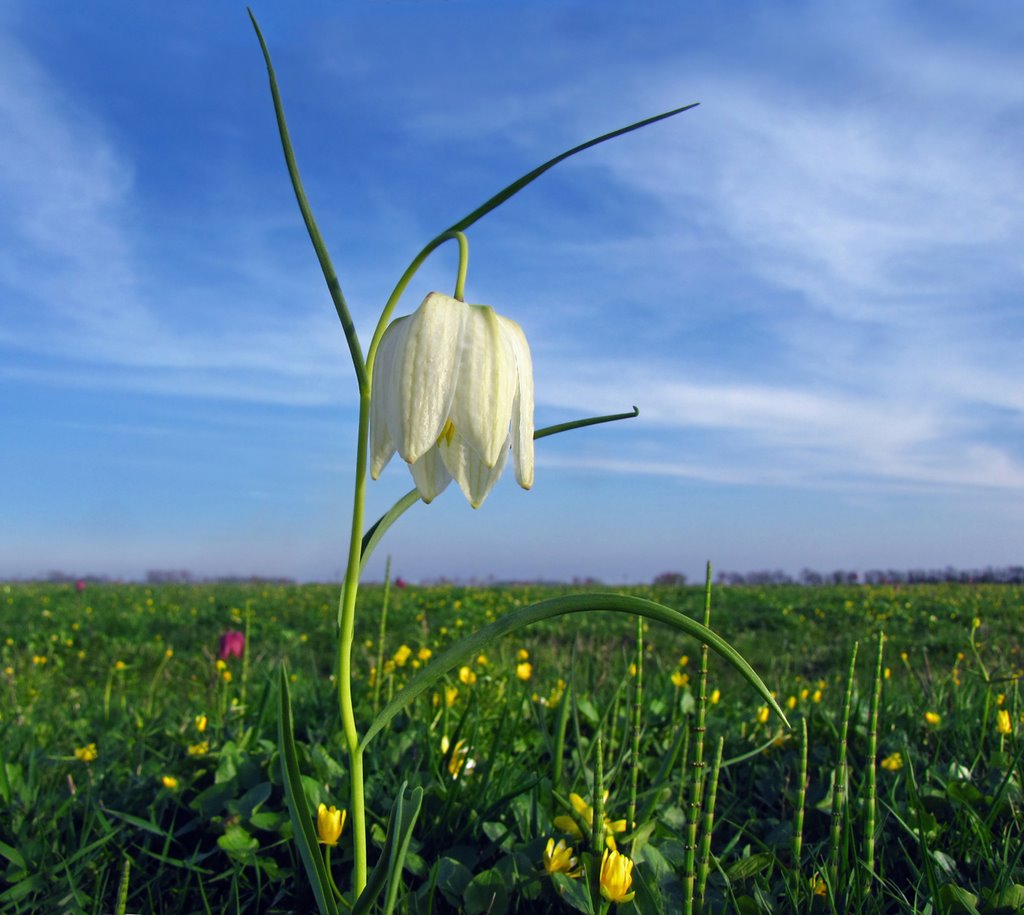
134 762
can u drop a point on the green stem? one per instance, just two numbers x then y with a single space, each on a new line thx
403 282
347 616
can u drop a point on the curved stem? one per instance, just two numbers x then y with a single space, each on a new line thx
460 279
403 282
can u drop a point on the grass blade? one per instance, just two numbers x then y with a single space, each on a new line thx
460 651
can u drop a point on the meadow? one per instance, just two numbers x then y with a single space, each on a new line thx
140 770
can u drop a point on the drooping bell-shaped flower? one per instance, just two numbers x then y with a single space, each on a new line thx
452 393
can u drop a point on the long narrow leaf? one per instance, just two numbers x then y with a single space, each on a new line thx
516 186
331 278
388 870
302 824
459 652
403 834
377 530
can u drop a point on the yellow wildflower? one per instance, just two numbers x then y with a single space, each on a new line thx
791 702
220 664
329 823
1003 723
893 762
402 655
816 696
616 877
716 695
684 660
522 655
558 859
120 665
169 782
567 824
933 718
226 674
450 695
481 660
632 669
199 749
679 679
458 761
424 654
763 714
818 886
201 722
524 670
467 676
87 753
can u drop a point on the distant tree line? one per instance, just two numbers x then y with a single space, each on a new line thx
1004 575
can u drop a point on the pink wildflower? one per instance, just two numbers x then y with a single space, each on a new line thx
232 644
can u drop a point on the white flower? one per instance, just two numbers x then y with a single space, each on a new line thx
452 392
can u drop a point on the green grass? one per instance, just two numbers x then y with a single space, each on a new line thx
946 826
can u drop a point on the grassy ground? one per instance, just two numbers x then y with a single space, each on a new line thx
130 757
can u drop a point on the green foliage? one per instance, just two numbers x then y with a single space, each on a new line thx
197 821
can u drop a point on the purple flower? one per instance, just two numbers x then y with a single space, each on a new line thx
232 644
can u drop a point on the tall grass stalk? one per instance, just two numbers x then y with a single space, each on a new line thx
597 826
801 799
638 712
840 778
697 783
563 723
709 823
870 801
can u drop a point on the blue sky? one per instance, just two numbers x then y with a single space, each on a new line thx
810 285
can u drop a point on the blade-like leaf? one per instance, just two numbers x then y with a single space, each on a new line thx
516 186
333 286
302 823
388 870
376 531
459 652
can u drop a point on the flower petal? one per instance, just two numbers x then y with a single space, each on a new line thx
428 374
464 463
385 408
486 386
430 475
522 407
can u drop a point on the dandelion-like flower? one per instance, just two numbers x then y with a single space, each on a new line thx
453 395
467 676
169 782
679 679
616 876
329 823
524 670
558 859
932 718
